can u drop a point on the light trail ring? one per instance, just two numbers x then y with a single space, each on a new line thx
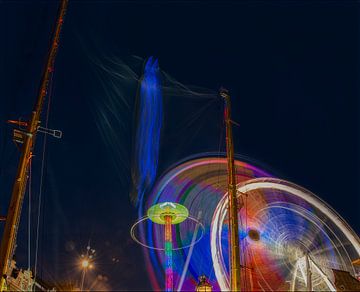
334 236
133 236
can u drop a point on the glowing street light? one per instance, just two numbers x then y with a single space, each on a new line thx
86 263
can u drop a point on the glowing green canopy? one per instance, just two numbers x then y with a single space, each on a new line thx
158 212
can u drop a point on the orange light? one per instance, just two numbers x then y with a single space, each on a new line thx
85 263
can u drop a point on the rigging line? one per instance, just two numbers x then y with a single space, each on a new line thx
220 138
197 115
198 128
42 176
29 215
209 165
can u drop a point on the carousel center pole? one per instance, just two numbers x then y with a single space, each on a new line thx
168 214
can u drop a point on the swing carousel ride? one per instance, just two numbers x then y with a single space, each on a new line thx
213 215
258 232
289 238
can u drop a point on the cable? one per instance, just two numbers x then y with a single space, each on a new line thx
29 216
41 177
220 139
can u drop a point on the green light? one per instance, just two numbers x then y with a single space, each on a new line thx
168 214
177 212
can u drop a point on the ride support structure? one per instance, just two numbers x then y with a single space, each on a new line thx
27 136
234 248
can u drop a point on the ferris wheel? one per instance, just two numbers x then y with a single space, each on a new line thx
289 238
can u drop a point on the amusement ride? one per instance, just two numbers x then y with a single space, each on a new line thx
216 219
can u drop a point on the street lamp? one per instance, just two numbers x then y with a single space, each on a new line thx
86 263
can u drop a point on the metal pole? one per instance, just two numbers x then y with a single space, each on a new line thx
168 255
13 215
234 248
308 274
83 279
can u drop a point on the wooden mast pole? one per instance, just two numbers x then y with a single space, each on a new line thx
234 248
13 215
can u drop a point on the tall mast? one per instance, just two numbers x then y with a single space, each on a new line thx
28 142
234 249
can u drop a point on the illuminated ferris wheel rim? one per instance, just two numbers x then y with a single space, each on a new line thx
200 160
277 184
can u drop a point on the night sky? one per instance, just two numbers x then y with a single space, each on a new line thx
292 69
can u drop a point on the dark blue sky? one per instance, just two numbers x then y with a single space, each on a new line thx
292 69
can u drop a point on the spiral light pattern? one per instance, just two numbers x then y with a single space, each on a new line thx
281 227
292 224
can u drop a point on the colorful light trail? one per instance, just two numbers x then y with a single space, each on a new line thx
199 185
168 254
281 223
292 223
167 214
149 120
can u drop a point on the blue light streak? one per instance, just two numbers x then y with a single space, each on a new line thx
150 118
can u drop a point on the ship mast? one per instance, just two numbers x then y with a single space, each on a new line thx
28 142
234 249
